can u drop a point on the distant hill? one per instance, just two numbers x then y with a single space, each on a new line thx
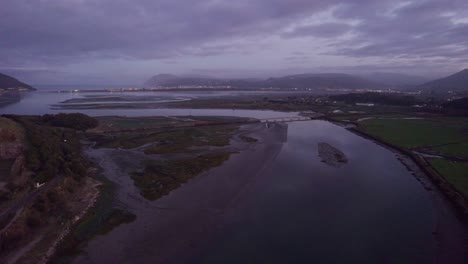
457 82
161 80
397 80
300 81
321 81
10 83
170 80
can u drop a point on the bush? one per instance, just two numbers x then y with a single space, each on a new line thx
52 151
76 121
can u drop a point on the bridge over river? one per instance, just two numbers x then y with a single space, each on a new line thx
286 119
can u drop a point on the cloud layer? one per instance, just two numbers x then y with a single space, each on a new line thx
297 33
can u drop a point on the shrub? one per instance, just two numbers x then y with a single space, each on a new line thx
76 121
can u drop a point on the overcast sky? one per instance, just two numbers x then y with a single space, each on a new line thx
127 41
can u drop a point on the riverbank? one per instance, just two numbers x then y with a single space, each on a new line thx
443 196
458 199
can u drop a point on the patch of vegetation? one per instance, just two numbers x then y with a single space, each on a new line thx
116 218
160 177
181 141
122 123
46 212
455 172
75 121
10 130
248 139
100 219
418 133
170 141
51 151
96 217
455 150
438 135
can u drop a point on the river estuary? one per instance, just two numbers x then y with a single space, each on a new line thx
276 202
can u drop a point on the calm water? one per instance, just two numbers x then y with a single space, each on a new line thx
39 103
300 210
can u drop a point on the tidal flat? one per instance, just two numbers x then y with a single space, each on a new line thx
276 193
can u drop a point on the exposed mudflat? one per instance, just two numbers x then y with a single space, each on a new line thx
331 155
175 227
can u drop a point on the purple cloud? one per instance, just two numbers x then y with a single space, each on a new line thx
327 30
59 32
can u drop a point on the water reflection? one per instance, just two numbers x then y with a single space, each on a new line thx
39 103
300 210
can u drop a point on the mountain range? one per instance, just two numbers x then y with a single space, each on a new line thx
10 83
170 80
457 82
380 80
398 80
300 81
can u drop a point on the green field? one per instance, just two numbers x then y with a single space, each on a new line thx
416 133
441 135
455 172
455 150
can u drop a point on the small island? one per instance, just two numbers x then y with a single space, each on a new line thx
331 155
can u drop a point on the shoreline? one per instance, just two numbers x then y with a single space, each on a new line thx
440 193
458 201
437 189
